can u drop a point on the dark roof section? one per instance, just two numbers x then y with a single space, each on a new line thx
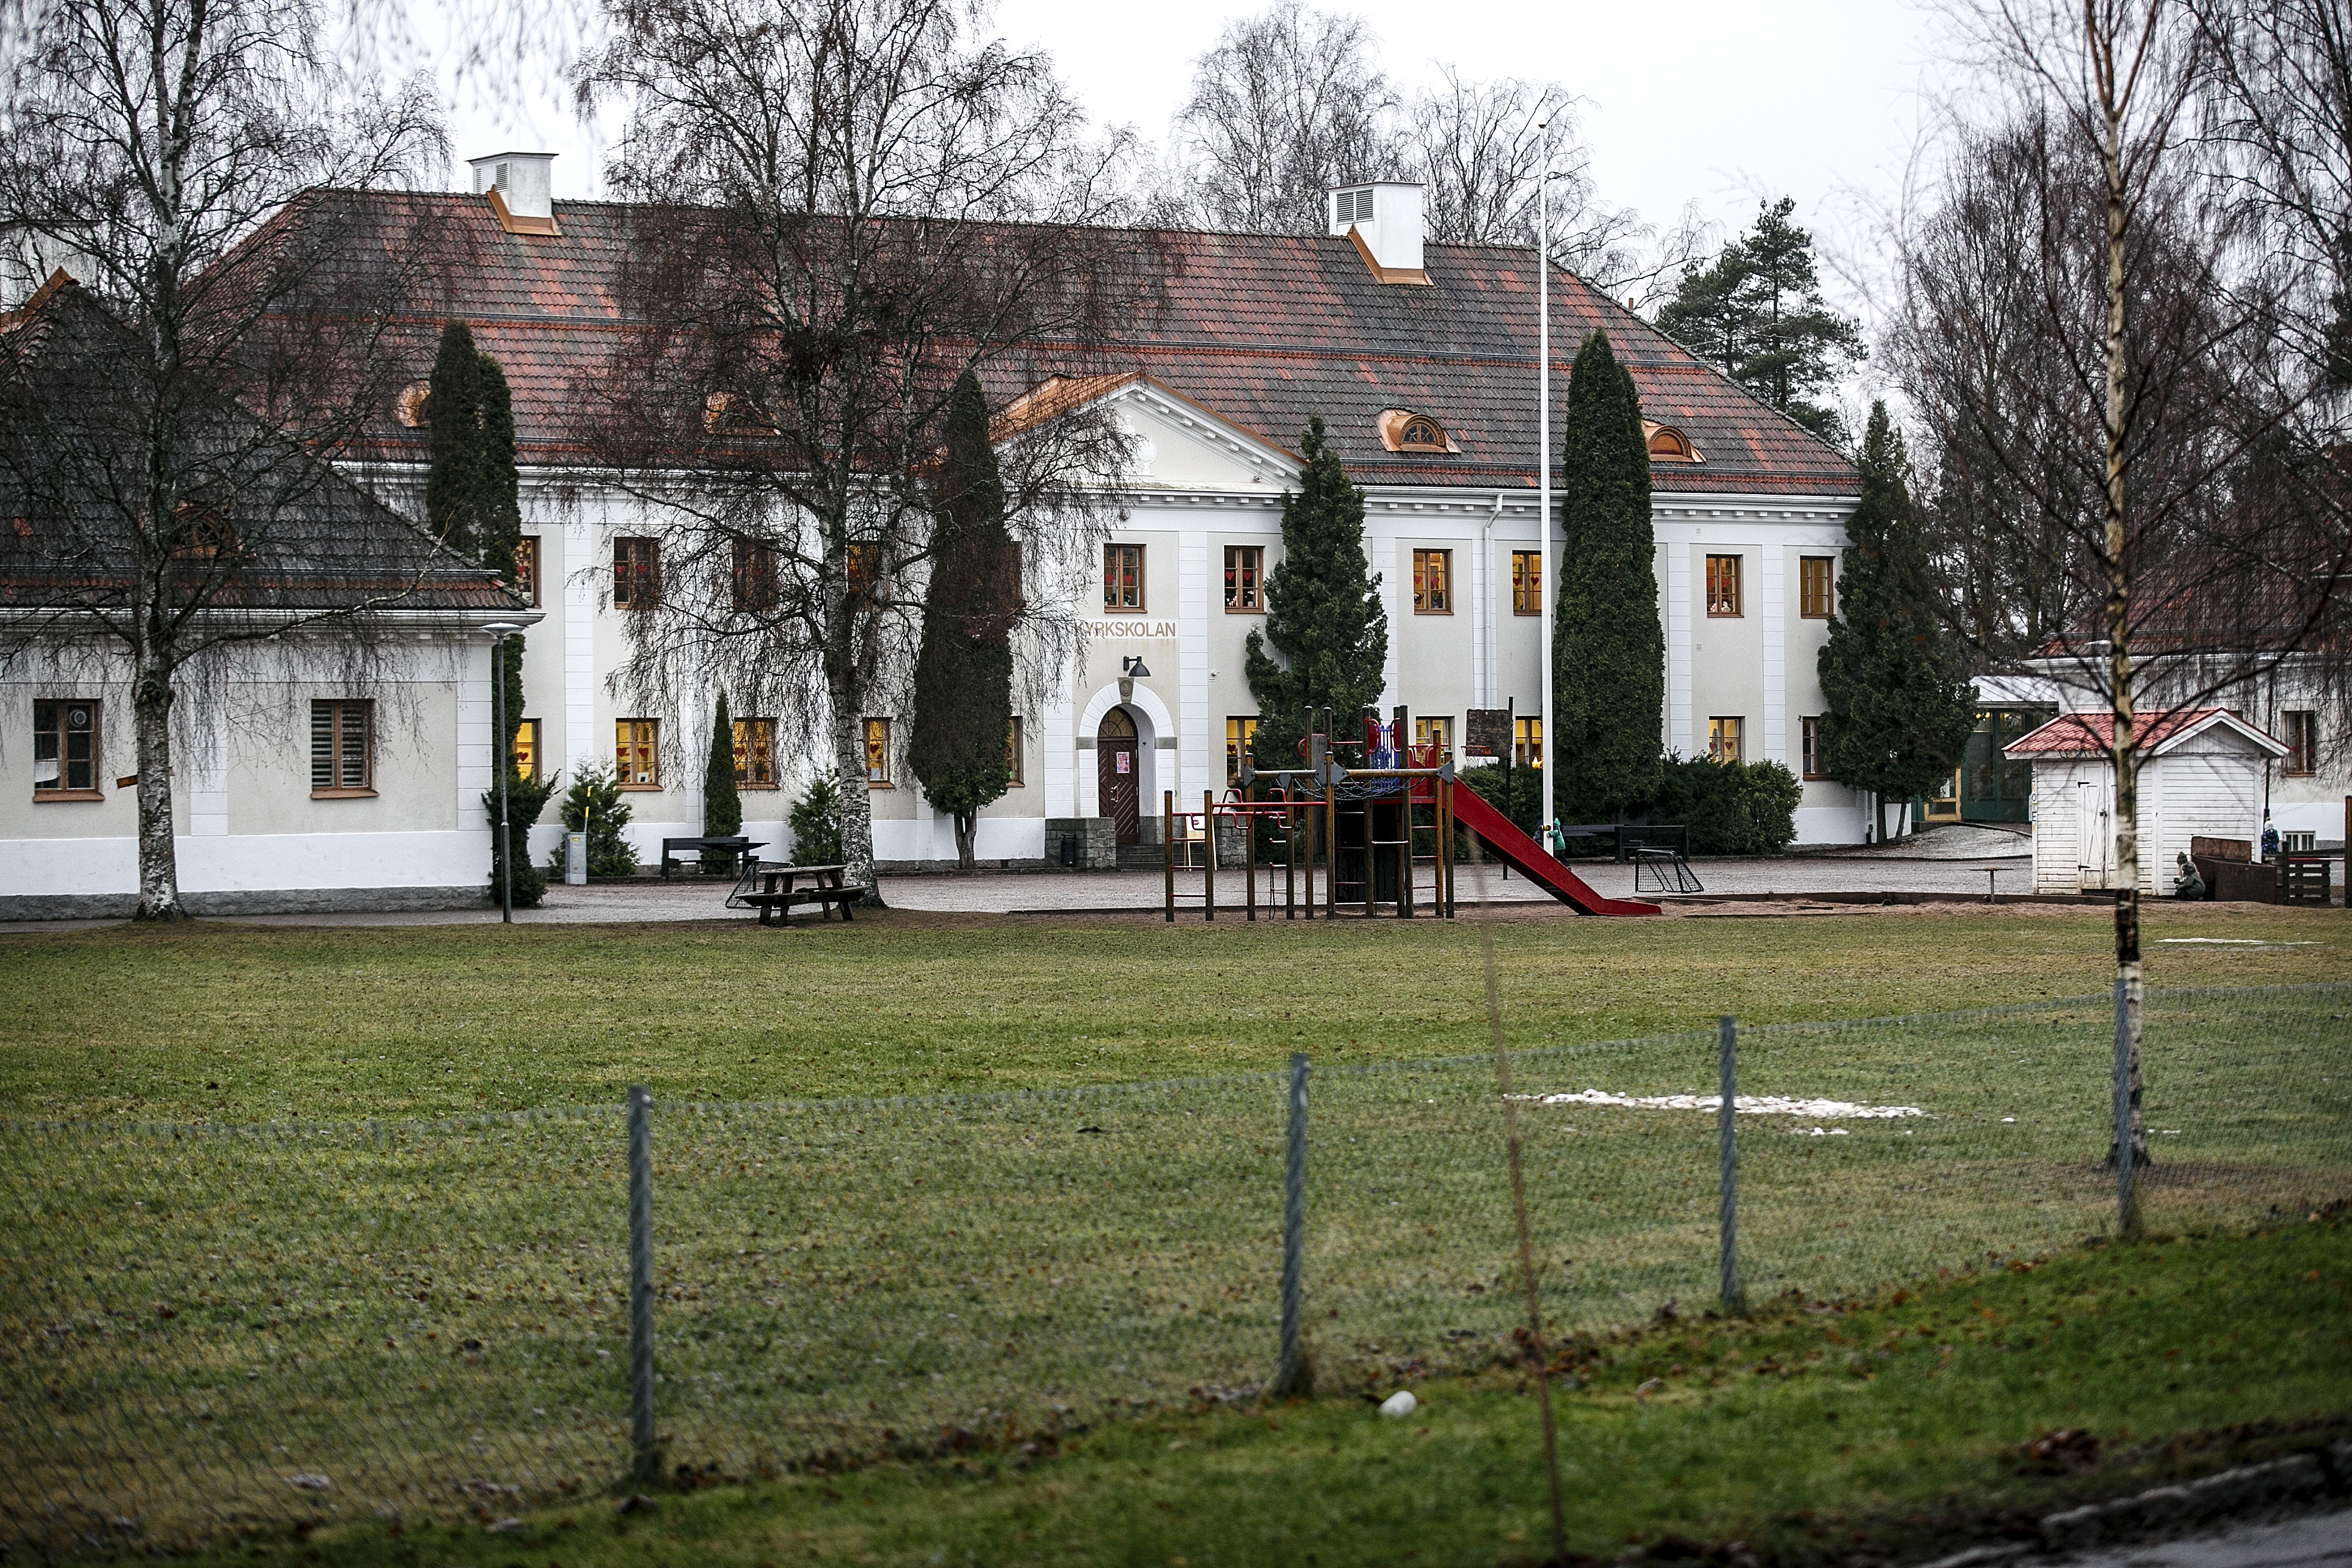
293 535
1266 331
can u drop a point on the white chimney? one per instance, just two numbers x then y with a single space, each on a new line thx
1386 217
522 180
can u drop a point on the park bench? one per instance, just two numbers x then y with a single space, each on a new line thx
770 888
737 850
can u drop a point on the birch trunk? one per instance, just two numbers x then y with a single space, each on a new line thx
857 807
159 867
2130 1141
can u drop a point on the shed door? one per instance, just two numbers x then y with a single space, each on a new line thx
2095 832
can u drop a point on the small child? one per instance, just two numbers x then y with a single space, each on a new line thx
2187 882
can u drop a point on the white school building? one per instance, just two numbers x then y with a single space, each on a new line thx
1417 356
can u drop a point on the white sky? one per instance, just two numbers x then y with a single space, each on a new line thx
1714 100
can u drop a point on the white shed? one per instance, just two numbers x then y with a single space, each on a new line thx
2200 776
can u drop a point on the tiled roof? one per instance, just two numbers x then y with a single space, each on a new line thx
2090 734
325 545
1265 330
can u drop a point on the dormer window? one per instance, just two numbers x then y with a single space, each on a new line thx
1405 430
1350 206
409 406
1668 444
732 414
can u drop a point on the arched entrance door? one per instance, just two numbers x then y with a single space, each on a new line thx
1117 773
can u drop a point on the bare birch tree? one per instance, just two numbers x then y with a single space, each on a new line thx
845 204
2109 403
145 147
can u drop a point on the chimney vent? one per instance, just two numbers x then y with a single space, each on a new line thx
1384 217
520 186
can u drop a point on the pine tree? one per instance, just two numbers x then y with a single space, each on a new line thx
964 674
1323 614
1608 650
1758 315
1900 704
722 806
453 427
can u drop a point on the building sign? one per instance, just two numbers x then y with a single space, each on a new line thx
1488 733
1127 630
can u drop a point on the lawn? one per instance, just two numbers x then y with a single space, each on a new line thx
1891 1423
246 1024
428 1311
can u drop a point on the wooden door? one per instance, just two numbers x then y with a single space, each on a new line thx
1115 773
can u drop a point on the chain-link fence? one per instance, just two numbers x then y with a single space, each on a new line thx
205 1328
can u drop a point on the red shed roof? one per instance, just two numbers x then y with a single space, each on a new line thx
1266 331
2092 734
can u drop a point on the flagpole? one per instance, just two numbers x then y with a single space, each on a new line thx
1546 584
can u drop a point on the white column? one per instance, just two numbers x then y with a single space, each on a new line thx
475 770
1773 590
1678 650
582 744
207 763
1191 764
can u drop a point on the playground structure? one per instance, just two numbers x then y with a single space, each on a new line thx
1380 835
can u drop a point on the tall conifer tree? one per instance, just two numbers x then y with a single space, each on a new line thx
498 518
452 429
959 749
1608 650
1900 703
722 803
1323 614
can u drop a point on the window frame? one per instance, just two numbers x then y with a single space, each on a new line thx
751 575
64 791
1805 584
1421 576
527 566
530 727
1014 746
1115 563
623 778
741 733
1715 596
871 729
637 566
1240 730
1444 725
2302 759
1527 582
1810 756
338 790
1527 740
1249 561
1736 731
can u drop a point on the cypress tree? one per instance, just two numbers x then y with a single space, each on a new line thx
722 803
453 427
964 674
1900 704
499 491
1608 650
1323 614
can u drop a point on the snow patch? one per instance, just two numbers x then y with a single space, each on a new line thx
1744 1104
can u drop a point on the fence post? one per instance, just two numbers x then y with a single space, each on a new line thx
2123 1113
1292 1377
1728 1223
647 1465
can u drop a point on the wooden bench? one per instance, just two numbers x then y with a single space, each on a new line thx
770 889
737 850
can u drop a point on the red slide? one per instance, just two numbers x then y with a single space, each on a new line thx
1526 857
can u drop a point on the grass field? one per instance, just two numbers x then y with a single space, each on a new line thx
430 1309
245 1024
1891 1426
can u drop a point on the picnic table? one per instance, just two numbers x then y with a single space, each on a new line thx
738 848
776 891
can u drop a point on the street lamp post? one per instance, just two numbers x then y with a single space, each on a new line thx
499 632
